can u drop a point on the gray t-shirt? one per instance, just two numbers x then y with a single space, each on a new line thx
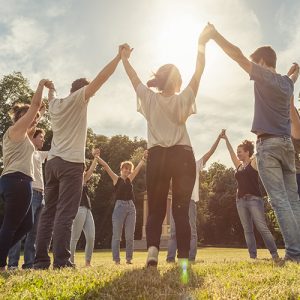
272 101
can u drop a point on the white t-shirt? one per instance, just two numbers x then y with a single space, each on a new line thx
69 124
166 116
39 158
199 168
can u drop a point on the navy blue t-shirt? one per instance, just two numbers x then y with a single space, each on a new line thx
272 101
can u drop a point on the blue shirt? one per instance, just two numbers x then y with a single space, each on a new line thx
272 101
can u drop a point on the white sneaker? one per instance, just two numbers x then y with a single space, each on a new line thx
152 258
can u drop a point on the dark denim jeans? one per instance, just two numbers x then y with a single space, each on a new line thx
16 191
29 245
62 198
276 167
175 163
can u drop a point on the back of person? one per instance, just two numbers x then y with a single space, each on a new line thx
69 125
272 101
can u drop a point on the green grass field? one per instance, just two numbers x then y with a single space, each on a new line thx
219 273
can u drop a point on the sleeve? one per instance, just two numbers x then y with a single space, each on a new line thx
187 104
43 155
144 98
282 84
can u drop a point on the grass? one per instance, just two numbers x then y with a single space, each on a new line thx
219 273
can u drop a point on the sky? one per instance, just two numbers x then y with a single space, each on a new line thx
65 40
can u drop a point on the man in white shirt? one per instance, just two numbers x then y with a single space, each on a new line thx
65 167
39 158
172 245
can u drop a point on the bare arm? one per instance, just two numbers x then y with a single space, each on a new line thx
233 156
232 51
138 167
211 151
295 126
109 171
17 132
102 77
87 175
293 72
200 62
135 80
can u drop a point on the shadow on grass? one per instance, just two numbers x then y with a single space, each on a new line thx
148 283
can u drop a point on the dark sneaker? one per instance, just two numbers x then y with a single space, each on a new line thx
152 258
128 262
66 265
41 266
292 259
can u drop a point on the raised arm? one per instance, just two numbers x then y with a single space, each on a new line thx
17 132
213 148
87 175
107 168
125 54
139 166
295 120
293 72
233 156
102 77
51 92
200 62
231 50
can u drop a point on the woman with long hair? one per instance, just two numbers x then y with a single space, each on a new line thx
170 153
249 200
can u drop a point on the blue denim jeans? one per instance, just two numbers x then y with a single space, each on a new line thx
124 214
276 167
251 210
83 221
29 245
172 244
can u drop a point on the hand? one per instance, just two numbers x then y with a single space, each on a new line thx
43 82
222 135
145 156
207 33
96 152
125 51
294 69
50 85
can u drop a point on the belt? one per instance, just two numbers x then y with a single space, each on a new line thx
265 136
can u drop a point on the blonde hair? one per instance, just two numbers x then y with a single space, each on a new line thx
127 163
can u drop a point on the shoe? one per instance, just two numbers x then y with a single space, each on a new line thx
12 268
68 264
292 259
170 260
117 262
41 266
152 258
278 261
128 262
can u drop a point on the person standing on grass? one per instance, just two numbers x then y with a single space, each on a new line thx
39 158
295 132
84 219
18 173
65 167
249 200
170 152
271 123
124 214
172 245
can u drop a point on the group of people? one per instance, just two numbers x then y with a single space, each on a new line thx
170 158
